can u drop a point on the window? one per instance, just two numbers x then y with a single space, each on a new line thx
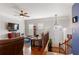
31 29
31 26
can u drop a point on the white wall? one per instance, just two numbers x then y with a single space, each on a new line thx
49 22
46 21
64 21
3 25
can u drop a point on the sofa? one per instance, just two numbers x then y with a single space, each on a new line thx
13 46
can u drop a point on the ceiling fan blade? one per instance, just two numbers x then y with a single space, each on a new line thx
25 13
22 15
26 16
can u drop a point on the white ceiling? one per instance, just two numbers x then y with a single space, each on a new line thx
36 10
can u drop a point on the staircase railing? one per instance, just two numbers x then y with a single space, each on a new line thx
66 45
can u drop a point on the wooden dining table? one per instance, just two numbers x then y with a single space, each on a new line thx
36 42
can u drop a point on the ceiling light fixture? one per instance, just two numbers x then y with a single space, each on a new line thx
56 25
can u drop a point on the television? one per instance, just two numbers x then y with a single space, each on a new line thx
13 26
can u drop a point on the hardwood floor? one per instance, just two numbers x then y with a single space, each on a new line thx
27 50
55 51
36 51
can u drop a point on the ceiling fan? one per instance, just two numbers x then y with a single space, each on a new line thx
22 13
